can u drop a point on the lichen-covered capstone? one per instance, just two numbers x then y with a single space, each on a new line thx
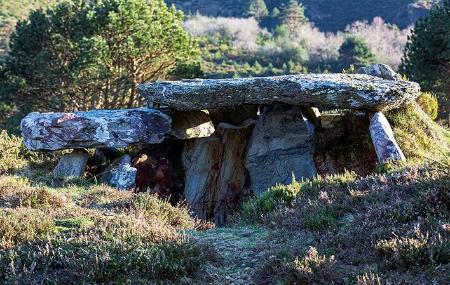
324 91
383 139
99 128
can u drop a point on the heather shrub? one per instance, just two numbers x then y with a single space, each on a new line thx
429 104
119 249
153 208
278 196
311 269
16 192
17 226
13 153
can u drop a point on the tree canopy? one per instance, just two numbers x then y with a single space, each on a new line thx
427 54
257 9
355 51
81 55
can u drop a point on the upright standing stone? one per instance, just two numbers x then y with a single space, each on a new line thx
121 174
71 165
383 139
215 171
281 147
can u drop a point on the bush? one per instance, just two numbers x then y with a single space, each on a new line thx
23 225
153 208
16 192
311 269
118 249
429 104
13 153
281 195
418 136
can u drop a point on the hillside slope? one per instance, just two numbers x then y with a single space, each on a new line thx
328 15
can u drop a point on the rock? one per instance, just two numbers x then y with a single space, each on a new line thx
193 124
202 160
234 115
121 174
383 139
281 146
382 71
342 145
72 165
313 115
215 172
324 91
99 128
154 174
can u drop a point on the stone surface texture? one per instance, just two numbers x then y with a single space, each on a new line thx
72 165
215 172
383 139
99 128
281 146
193 124
121 174
380 70
324 91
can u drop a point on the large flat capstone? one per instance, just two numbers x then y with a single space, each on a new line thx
99 128
343 91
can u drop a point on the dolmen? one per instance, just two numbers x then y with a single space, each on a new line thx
214 142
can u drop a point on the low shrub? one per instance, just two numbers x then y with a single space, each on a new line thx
16 192
418 250
13 153
18 226
429 104
153 208
118 249
281 195
311 269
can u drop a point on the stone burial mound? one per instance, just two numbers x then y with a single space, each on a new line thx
213 143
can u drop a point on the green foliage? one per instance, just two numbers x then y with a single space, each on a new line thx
13 153
257 9
20 226
429 104
293 15
418 250
427 54
99 52
154 208
277 196
355 51
418 136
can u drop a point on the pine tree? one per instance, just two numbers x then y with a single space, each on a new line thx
427 54
355 51
257 9
294 15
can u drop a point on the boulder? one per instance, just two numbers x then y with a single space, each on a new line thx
215 172
72 165
342 145
94 129
383 139
121 174
324 91
154 174
193 124
281 146
382 71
